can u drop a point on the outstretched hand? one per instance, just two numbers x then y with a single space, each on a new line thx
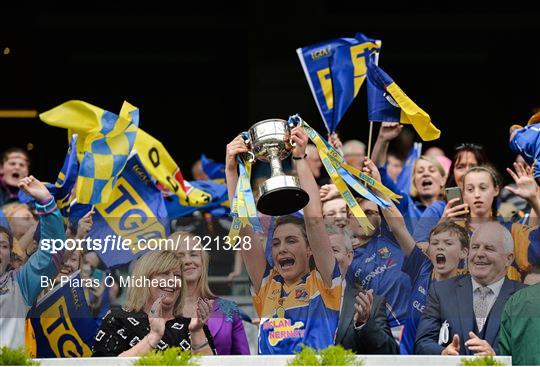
33 187
526 186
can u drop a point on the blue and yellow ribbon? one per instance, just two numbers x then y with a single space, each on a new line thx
244 210
342 174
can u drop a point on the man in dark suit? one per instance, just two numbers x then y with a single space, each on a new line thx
463 314
363 324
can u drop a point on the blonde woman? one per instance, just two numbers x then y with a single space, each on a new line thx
224 323
151 317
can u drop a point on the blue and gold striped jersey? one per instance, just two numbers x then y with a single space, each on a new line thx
304 313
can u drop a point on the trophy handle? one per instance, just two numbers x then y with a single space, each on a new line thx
293 144
249 155
293 122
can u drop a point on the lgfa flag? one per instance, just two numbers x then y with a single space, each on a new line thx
335 71
62 323
388 103
103 145
135 213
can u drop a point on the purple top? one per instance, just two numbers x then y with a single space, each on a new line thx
227 329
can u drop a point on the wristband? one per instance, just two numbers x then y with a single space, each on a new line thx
298 158
198 347
46 201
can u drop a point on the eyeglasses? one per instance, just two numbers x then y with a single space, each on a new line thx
469 146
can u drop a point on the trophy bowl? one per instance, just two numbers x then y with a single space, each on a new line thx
270 141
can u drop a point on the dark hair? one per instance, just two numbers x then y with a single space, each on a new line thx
495 179
7 152
452 227
8 234
291 219
479 154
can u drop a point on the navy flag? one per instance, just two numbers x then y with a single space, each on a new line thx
388 103
335 71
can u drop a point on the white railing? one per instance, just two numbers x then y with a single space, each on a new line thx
369 360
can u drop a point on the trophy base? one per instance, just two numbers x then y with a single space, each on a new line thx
281 195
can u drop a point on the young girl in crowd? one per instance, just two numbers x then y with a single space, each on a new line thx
466 156
297 304
224 322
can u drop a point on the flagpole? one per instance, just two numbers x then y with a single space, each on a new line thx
369 139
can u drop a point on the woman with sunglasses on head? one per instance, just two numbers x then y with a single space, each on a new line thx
297 304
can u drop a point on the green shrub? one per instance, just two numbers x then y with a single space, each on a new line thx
481 361
331 356
169 357
306 357
15 357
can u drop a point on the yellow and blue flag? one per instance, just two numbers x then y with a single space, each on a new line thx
335 71
388 103
62 323
135 213
218 207
161 166
104 143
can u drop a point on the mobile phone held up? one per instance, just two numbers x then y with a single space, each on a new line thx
453 193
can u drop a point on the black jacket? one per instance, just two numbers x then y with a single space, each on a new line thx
375 337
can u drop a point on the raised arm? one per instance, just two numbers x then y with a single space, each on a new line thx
253 256
387 132
526 187
43 262
316 230
393 216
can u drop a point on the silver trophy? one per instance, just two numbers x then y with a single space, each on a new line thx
270 141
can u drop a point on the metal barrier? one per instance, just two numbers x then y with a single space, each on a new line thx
368 360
